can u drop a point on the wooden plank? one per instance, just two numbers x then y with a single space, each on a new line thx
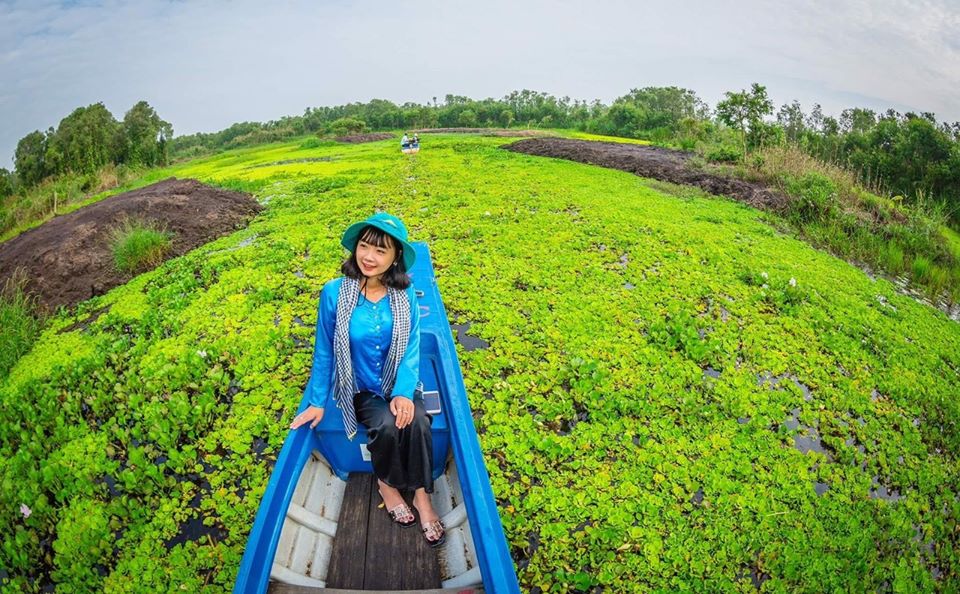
348 559
276 588
384 547
370 552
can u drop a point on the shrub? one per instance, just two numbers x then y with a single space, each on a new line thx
816 196
315 143
724 154
261 136
138 246
345 126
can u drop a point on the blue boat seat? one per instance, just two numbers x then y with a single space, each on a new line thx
346 456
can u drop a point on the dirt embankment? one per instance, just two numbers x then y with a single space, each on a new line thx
68 259
483 131
651 161
358 138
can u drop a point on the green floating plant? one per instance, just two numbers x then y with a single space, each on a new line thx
669 413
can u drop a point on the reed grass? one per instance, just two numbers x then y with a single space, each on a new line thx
20 320
138 245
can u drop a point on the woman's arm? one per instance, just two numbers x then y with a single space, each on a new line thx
318 387
408 374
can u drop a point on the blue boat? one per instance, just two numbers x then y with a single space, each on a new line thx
289 548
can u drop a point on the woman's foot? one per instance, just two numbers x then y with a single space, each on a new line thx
430 522
397 508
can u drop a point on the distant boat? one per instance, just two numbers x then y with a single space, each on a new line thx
304 530
410 148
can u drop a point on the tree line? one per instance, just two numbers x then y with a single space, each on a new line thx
87 140
907 154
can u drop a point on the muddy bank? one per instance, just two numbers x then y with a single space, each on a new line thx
651 161
68 259
483 131
358 138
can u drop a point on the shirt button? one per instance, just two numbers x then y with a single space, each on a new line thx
378 365
378 348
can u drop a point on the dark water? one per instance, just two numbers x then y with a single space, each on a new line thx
880 491
470 343
193 529
774 381
809 441
526 553
711 372
697 497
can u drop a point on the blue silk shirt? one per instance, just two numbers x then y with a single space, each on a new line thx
371 329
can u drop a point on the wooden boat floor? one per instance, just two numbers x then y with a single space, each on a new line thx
289 589
371 552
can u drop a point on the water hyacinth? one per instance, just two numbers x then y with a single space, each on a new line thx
25 511
617 420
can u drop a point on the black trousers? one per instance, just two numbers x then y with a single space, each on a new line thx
402 458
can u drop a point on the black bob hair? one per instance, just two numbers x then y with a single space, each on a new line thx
395 276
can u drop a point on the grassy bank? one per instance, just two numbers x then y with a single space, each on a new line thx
675 396
830 209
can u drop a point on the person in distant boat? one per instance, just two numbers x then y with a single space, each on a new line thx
405 141
416 139
366 361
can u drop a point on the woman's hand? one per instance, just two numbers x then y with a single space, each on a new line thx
313 413
402 408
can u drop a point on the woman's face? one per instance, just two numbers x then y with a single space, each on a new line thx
374 260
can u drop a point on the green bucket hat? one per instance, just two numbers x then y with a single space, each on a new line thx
390 225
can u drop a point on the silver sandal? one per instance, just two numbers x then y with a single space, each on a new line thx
434 528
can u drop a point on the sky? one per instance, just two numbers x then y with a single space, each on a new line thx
205 64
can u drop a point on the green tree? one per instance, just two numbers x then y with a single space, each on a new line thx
665 107
625 119
6 183
29 158
86 140
791 119
456 100
467 118
145 136
381 114
857 120
744 111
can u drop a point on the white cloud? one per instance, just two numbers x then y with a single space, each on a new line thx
204 65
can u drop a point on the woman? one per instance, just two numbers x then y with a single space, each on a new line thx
367 361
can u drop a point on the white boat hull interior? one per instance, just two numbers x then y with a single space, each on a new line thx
306 541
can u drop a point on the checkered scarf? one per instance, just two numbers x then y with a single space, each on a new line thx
344 377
